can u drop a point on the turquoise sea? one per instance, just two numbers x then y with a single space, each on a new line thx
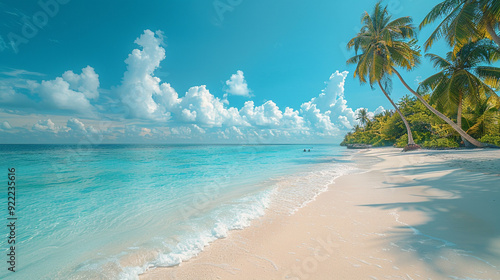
113 211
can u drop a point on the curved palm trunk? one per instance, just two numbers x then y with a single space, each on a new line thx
459 119
408 130
442 116
493 34
459 111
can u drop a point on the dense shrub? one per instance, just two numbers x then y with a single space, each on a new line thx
491 139
428 130
440 143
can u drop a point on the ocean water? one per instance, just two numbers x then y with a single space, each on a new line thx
113 211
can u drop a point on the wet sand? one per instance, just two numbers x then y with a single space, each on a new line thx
416 215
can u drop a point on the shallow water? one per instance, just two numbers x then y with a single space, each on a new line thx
112 211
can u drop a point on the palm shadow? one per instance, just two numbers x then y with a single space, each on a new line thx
462 210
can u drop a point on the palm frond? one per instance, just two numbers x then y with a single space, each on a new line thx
490 75
429 84
438 61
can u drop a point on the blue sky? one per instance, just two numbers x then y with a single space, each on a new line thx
224 71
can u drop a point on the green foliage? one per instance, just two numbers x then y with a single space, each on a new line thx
491 139
440 143
381 44
429 131
463 76
462 21
466 81
402 141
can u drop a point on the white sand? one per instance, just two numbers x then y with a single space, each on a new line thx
416 215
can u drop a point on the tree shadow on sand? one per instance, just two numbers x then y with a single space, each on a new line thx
463 215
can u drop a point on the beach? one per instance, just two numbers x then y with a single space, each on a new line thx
415 215
113 211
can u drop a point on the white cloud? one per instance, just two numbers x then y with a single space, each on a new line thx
292 119
20 72
9 96
140 91
316 120
56 94
76 126
6 125
87 83
379 110
71 92
181 131
238 85
202 107
329 111
45 125
370 115
159 113
145 131
267 114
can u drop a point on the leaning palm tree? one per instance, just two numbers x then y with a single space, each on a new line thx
383 44
462 77
464 20
363 118
386 45
460 131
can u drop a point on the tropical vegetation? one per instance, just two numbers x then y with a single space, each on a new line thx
384 44
456 106
481 120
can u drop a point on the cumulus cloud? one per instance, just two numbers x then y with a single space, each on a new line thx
10 97
142 93
159 113
72 130
87 82
146 97
56 94
379 110
317 120
237 85
76 126
267 114
329 111
200 106
45 126
71 92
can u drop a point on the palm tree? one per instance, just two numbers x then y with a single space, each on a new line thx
464 20
388 44
483 118
363 118
383 45
460 131
462 77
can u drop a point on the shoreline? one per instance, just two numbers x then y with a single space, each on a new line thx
408 216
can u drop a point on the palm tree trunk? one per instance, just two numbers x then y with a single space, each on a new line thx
408 130
439 114
459 111
459 119
493 34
